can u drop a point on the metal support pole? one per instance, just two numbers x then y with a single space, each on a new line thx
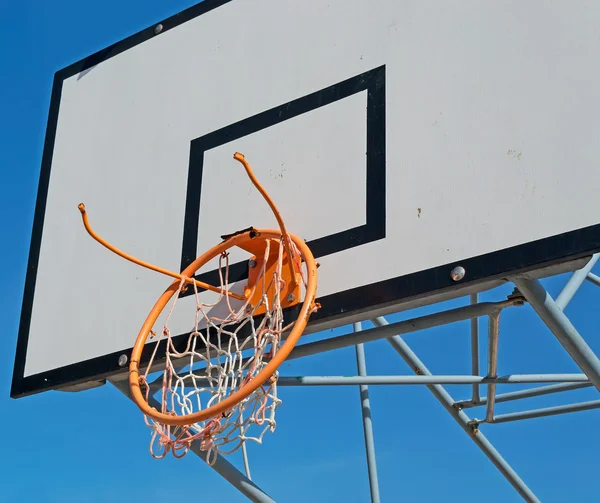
401 327
246 462
527 393
461 417
420 380
494 331
548 411
575 281
561 327
361 365
475 397
223 467
592 278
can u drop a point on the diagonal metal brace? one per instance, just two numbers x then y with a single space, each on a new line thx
223 467
562 328
461 418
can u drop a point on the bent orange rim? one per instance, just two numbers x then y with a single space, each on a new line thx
308 306
286 245
126 256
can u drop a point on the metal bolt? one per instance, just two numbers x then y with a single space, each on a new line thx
158 28
252 263
122 360
458 273
291 297
517 297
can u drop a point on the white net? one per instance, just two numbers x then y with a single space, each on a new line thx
219 359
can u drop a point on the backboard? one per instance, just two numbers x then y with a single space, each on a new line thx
400 140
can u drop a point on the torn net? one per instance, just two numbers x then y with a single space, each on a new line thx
212 366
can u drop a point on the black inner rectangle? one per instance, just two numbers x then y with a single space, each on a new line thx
373 82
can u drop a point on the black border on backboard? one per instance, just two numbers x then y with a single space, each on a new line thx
497 265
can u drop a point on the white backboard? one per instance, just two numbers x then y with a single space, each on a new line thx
399 138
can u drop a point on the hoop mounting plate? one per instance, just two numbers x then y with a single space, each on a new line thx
290 294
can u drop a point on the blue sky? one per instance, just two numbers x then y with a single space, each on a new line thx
93 446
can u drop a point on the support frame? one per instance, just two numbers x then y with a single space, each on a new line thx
529 291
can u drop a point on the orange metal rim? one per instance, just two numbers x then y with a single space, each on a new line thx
283 352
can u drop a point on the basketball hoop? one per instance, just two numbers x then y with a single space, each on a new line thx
234 392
